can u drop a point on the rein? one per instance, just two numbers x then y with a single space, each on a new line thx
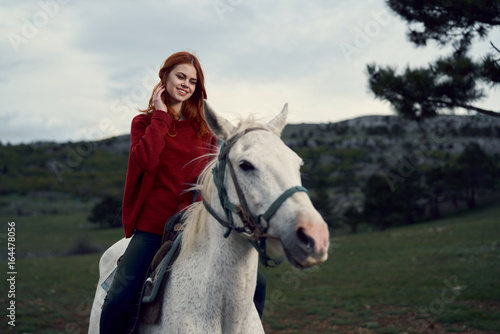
254 226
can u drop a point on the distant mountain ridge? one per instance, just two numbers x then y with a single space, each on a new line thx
477 126
363 146
485 130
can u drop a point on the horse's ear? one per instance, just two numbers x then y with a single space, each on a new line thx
220 126
277 124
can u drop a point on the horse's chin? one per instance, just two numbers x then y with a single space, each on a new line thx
308 262
293 254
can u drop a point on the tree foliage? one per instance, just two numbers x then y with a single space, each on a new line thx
107 212
476 170
452 81
352 217
385 208
462 180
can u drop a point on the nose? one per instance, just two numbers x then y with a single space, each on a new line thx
312 233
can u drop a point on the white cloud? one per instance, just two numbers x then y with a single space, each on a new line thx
82 68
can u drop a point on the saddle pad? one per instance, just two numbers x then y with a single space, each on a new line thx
160 271
106 285
154 287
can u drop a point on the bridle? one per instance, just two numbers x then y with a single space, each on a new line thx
254 227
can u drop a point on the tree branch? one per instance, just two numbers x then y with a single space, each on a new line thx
494 47
469 107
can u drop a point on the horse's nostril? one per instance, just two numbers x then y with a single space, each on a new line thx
304 238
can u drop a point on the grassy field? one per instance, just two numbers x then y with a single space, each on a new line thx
438 277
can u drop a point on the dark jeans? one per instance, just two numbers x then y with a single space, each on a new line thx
131 272
259 298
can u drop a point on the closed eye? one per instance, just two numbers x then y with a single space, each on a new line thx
246 166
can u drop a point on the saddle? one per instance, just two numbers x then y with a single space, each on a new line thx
146 306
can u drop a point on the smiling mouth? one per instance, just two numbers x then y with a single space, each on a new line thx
182 91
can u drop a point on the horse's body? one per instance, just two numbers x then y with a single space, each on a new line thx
211 285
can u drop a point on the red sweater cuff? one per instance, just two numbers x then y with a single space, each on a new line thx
162 116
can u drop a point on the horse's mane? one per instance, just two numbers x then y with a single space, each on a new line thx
197 216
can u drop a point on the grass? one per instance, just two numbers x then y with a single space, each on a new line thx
53 234
53 294
440 276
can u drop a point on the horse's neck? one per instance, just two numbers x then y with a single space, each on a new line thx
219 279
236 266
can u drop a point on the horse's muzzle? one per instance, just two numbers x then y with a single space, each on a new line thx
311 242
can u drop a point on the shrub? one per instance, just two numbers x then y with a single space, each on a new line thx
108 211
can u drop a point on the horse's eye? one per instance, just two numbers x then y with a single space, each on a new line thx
246 166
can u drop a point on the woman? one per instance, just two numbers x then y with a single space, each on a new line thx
170 141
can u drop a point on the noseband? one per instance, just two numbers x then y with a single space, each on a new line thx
254 226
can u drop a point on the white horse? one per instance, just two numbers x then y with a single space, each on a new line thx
212 283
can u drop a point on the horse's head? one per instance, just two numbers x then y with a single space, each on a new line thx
267 174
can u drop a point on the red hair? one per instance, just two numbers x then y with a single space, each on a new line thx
193 107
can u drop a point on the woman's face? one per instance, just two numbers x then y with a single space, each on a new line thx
181 83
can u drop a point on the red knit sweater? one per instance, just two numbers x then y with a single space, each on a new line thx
160 169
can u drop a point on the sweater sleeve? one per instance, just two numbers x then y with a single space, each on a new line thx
148 139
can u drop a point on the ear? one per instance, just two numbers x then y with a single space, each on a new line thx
277 124
220 126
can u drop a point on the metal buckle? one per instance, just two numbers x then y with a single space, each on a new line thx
249 236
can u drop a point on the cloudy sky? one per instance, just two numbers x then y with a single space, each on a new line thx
72 70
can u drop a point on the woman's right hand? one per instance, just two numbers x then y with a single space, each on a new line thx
158 102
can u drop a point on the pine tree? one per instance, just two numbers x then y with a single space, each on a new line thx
452 81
